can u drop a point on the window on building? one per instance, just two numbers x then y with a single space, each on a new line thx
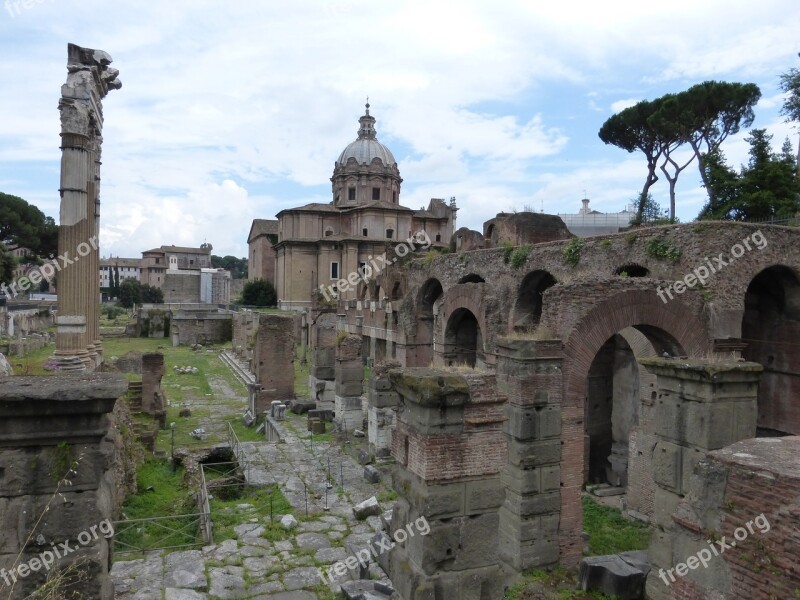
334 270
158 260
394 197
337 199
389 233
438 237
328 232
191 262
364 231
351 193
376 193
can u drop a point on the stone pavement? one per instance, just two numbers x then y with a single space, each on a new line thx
252 566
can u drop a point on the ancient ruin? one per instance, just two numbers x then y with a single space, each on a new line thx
90 78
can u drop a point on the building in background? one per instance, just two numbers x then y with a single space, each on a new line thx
215 286
319 244
261 254
156 262
127 268
591 222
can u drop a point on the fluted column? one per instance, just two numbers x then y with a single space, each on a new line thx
89 80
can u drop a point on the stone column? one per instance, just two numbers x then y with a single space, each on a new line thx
382 404
449 449
89 80
57 455
323 356
152 396
700 406
349 375
529 373
273 360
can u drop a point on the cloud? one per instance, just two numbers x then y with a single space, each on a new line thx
621 105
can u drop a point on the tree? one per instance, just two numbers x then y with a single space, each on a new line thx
767 187
7 265
723 189
259 292
130 291
151 294
630 130
237 266
114 282
713 110
790 84
22 225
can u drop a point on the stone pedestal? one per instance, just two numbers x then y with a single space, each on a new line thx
449 449
700 406
529 373
273 360
54 430
349 377
382 402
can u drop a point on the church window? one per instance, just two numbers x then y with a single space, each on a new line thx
364 231
334 270
389 233
351 193
376 193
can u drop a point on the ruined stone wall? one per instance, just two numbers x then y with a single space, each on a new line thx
349 378
449 449
748 494
153 400
701 406
53 430
202 328
181 287
273 359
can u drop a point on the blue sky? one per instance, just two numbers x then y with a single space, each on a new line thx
234 111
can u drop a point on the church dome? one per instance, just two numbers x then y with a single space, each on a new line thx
366 147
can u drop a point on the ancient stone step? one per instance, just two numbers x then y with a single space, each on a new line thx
622 575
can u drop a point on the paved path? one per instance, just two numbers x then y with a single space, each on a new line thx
252 566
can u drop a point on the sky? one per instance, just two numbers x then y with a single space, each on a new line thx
231 111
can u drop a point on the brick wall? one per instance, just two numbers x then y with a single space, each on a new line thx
273 359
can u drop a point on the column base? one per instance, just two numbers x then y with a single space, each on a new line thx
71 361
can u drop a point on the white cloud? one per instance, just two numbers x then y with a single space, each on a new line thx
230 112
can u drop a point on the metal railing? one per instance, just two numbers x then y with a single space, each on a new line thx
159 533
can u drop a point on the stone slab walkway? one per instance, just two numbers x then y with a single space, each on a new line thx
252 566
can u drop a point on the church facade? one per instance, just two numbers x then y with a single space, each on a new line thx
319 244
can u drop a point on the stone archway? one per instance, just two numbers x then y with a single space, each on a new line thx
672 328
429 302
528 307
463 343
770 330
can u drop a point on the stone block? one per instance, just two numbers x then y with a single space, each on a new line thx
367 508
348 388
613 576
435 501
665 503
456 544
534 454
533 504
670 419
372 474
384 399
431 421
380 384
482 495
521 481
667 464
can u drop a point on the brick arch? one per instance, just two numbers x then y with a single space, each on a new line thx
469 296
672 327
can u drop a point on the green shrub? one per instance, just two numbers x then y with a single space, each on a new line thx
508 248
605 243
658 248
519 255
572 251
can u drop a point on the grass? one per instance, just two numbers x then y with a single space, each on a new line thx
559 582
265 502
168 497
610 532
